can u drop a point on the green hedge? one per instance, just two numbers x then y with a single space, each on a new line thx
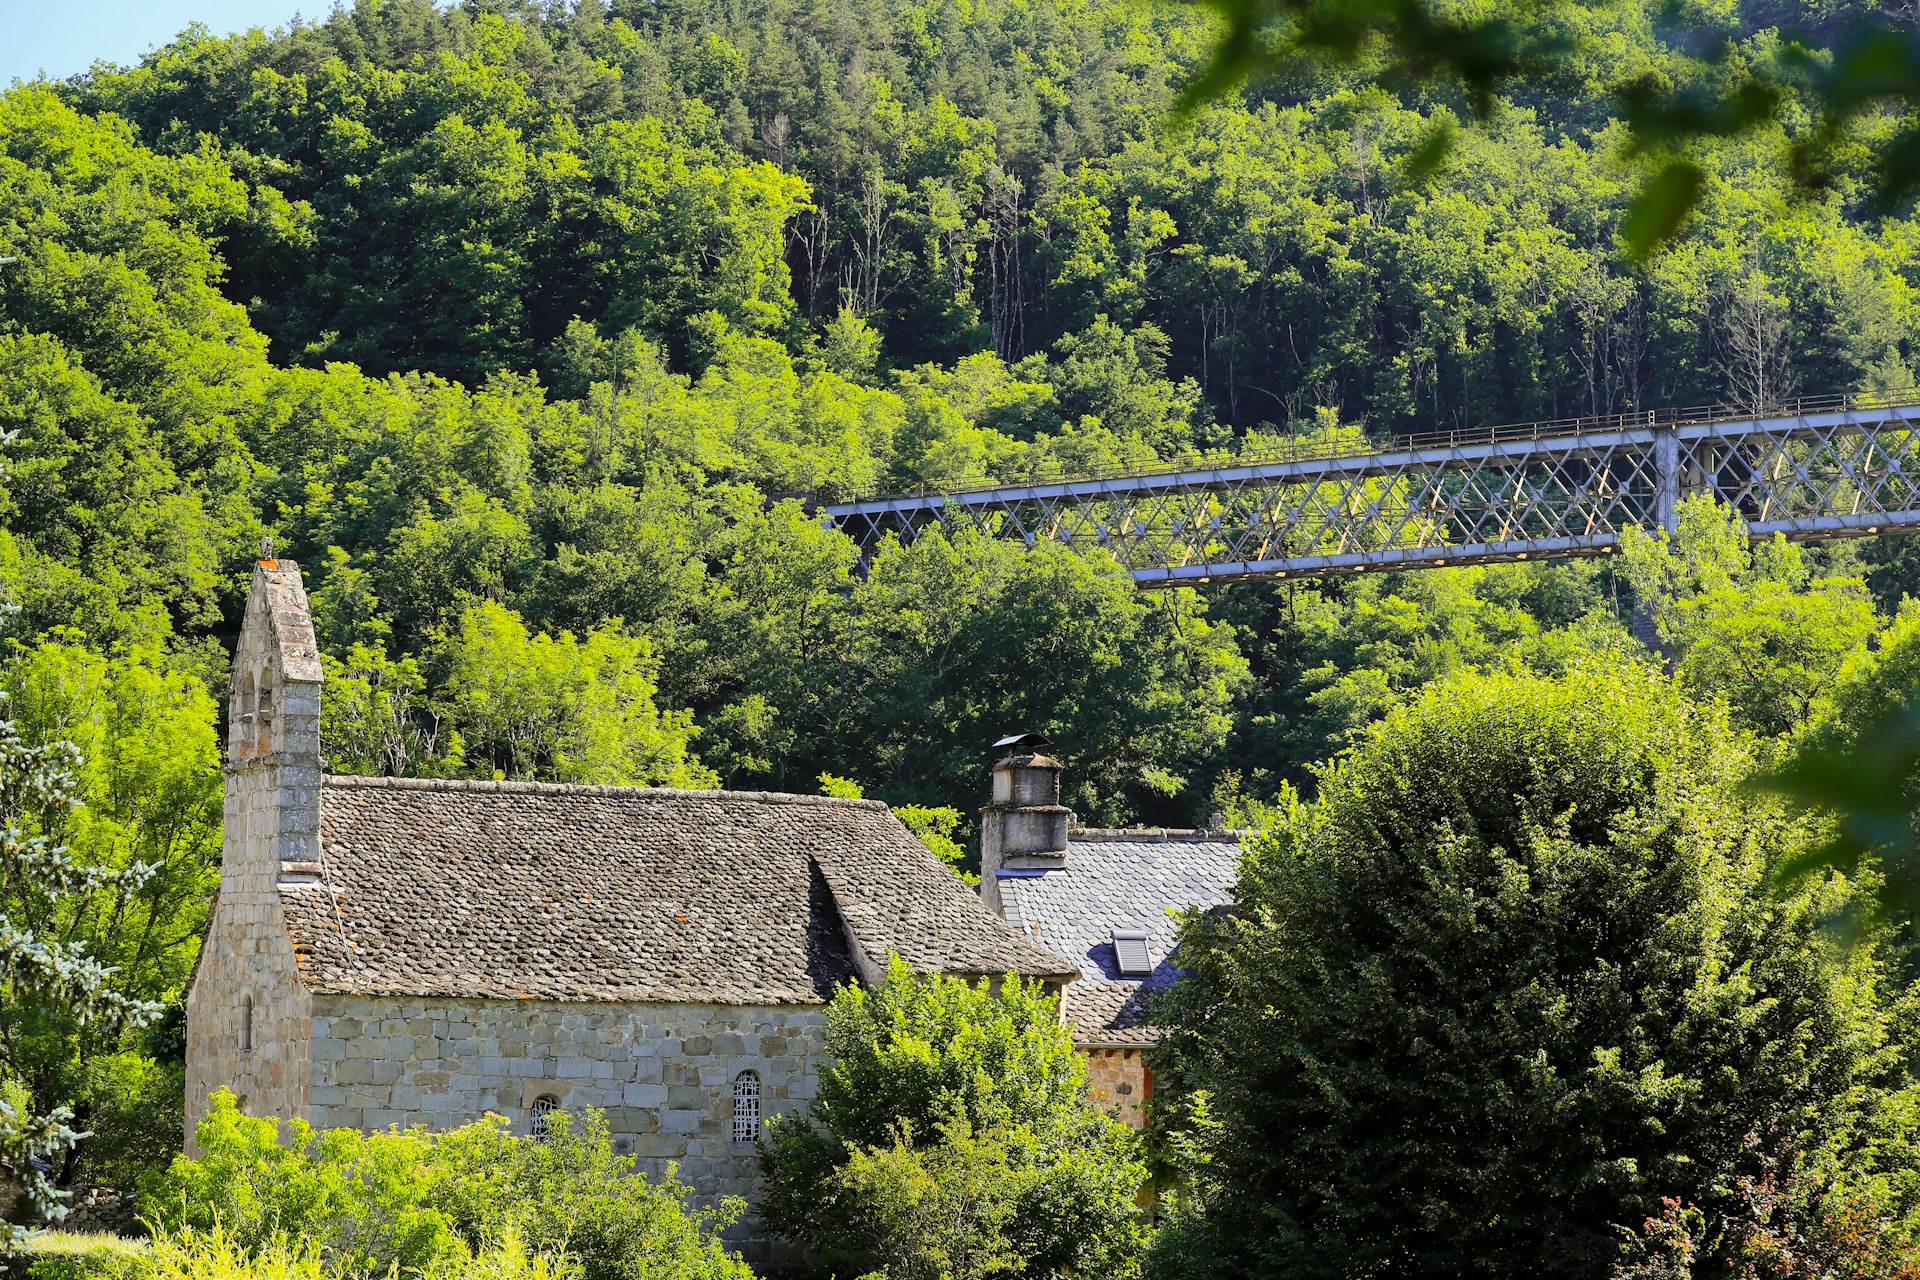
76 1255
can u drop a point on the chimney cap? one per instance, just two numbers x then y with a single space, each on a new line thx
1033 740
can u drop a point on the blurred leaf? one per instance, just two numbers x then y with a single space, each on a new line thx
1426 159
1865 787
1661 208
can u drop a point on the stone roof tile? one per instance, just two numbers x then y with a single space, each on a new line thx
512 890
1121 879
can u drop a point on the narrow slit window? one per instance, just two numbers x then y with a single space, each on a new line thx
246 1024
540 1125
1130 951
746 1107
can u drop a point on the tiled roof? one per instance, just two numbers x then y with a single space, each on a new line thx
1124 880
513 890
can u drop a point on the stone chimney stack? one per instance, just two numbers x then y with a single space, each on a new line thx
1025 828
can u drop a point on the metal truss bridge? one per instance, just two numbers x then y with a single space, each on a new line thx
1842 466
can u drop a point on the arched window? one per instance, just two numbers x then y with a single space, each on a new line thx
266 692
246 1024
543 1106
746 1107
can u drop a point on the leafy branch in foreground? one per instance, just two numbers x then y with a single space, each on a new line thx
1415 43
1860 764
1867 786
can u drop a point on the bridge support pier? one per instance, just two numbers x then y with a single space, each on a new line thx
1666 502
1666 473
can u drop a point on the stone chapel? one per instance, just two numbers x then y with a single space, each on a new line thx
400 951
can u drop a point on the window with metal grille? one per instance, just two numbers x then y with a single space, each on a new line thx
746 1107
1130 949
543 1106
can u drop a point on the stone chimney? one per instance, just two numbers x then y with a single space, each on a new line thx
248 1012
1025 828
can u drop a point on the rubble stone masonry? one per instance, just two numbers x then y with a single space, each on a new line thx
1118 1078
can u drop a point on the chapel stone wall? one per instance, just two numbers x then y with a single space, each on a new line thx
664 1074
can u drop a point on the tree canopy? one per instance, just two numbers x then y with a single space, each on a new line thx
1515 975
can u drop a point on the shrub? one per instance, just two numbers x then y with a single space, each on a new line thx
219 1255
359 1201
78 1255
1514 976
571 1194
1777 1227
953 1136
437 1203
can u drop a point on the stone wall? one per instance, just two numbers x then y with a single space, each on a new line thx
664 1073
247 959
1118 1078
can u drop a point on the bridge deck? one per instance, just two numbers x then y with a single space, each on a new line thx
1837 467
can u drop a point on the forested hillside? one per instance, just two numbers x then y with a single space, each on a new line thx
530 330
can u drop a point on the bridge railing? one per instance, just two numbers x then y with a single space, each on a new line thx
1343 442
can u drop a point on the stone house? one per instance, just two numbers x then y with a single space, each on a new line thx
1101 900
398 951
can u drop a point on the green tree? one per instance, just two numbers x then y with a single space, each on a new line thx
376 718
953 1134
574 710
43 972
1752 626
1515 974
145 828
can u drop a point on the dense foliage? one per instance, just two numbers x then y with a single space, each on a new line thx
953 1137
515 326
1514 976
47 975
532 331
354 1204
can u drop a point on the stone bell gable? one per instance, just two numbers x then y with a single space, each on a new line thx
247 1011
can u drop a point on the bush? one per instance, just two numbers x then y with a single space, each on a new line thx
359 1201
571 1194
219 1255
1778 1227
78 1255
955 1139
1512 978
422 1202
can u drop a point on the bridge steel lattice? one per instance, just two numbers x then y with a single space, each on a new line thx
1840 467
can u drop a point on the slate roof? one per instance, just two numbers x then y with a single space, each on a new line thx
512 890
1126 880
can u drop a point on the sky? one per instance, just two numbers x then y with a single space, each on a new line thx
64 37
